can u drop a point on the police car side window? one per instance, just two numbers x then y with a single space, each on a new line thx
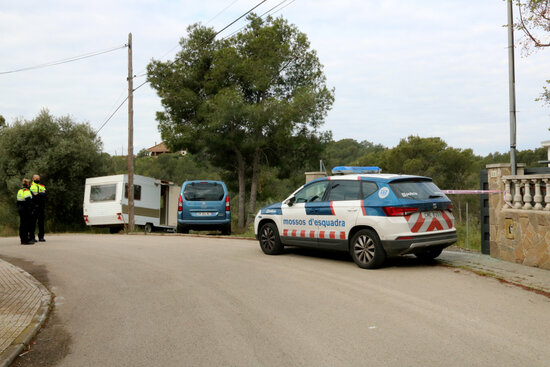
312 193
369 188
344 190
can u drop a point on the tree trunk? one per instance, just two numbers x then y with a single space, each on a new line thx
253 187
242 189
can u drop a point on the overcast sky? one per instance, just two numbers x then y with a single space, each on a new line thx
399 68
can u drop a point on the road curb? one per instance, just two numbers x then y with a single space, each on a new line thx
528 278
25 337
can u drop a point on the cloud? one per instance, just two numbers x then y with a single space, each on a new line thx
428 68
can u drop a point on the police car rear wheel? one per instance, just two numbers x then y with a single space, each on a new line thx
270 242
366 250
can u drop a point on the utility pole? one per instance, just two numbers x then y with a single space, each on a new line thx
512 88
130 138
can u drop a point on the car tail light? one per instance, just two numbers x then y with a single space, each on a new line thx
398 211
180 204
227 206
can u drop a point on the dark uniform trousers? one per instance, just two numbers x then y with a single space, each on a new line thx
25 221
37 218
38 200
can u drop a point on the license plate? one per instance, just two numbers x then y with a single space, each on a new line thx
432 214
204 214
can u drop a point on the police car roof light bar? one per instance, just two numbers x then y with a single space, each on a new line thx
347 170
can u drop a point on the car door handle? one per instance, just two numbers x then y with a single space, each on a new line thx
352 210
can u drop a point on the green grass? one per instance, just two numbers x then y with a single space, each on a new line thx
474 235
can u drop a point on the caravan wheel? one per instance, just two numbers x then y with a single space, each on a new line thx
115 229
148 228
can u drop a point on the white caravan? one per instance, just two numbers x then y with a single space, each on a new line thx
106 202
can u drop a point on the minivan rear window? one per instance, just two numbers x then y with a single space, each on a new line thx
416 190
203 191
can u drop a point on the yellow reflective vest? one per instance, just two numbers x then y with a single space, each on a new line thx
24 198
37 188
23 194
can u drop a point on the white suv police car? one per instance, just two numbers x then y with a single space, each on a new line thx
371 215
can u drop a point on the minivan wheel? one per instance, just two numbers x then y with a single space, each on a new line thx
226 229
182 229
366 250
270 242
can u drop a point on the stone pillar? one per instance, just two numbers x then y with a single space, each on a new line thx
546 144
497 203
310 176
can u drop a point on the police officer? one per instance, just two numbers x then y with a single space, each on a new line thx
39 202
24 206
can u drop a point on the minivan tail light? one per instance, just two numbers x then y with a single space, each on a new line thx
227 206
398 211
180 204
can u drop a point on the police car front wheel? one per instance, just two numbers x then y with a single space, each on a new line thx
366 250
270 242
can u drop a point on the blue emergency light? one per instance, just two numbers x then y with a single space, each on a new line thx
347 170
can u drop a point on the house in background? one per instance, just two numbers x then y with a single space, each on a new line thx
158 149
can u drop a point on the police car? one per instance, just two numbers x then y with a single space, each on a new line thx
360 210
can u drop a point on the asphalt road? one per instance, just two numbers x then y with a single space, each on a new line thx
187 301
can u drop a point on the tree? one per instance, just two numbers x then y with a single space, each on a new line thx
534 22
450 168
63 152
2 121
249 100
347 151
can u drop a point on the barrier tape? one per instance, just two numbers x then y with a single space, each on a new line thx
467 192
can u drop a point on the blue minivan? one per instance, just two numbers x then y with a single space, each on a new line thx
204 205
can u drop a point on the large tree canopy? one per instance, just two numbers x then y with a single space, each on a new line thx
63 152
257 97
534 22
451 168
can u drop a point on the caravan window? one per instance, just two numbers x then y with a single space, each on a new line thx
103 193
137 192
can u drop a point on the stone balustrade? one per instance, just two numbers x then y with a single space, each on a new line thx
527 192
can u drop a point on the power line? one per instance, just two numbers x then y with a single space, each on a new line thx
261 16
211 19
236 20
112 114
141 85
224 28
276 6
64 61
118 108
224 9
172 62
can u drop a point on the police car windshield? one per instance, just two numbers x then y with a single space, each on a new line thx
203 191
416 190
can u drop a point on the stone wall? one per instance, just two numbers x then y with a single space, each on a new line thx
516 235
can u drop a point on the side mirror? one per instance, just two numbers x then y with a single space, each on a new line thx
290 201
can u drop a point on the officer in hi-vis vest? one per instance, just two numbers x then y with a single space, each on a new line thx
24 206
39 202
